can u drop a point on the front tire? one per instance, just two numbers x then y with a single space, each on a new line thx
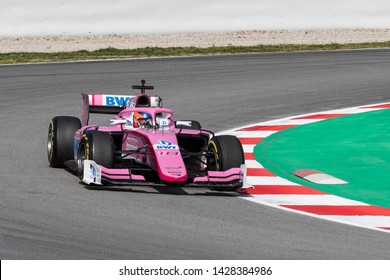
226 152
60 139
97 146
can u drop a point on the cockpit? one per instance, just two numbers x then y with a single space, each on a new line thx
154 118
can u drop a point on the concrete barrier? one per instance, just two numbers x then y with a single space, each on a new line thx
84 17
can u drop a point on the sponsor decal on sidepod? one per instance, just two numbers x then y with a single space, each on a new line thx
131 144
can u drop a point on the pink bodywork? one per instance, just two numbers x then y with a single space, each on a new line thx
165 156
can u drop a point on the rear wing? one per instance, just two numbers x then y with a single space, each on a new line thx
102 104
114 104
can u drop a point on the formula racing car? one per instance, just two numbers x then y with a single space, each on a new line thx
143 145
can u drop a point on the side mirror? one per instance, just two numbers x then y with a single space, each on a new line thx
195 125
115 121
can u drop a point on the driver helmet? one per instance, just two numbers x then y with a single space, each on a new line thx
142 119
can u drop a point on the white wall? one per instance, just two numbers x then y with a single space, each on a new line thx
73 17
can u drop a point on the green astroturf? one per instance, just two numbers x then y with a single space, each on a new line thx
354 148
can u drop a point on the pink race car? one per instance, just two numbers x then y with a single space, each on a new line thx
143 145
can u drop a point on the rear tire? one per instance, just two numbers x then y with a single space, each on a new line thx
97 146
60 139
227 153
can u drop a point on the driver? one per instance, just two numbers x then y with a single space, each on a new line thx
142 119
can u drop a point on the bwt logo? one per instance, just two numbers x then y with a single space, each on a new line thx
165 145
129 122
162 142
117 100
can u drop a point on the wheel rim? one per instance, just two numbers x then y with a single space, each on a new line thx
212 161
50 145
81 156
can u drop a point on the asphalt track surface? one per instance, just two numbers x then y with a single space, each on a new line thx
47 214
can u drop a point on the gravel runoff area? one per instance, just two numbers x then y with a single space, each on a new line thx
66 43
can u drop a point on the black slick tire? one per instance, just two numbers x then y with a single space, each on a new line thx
226 152
60 139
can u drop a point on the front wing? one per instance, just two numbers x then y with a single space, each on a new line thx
230 180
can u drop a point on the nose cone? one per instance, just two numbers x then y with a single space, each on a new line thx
170 164
171 174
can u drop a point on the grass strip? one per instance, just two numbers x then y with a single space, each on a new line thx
112 53
354 148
